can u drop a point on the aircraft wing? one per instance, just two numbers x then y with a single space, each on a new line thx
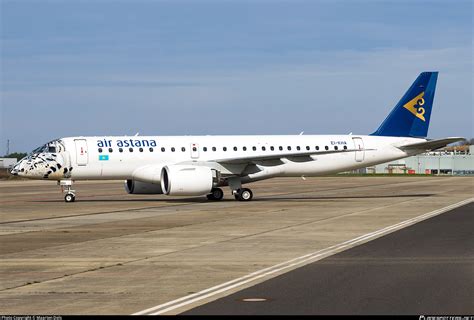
296 157
430 144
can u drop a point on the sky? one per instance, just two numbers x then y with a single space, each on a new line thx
104 67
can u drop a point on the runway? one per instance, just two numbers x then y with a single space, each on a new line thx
113 253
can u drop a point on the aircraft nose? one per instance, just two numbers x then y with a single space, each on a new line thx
17 169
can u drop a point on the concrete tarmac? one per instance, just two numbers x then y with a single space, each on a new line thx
114 253
427 268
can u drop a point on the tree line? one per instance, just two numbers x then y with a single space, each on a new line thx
18 155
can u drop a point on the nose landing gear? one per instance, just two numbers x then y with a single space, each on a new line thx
66 186
70 197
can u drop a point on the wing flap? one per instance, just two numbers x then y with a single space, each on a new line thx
294 157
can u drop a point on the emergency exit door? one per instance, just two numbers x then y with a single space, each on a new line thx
82 157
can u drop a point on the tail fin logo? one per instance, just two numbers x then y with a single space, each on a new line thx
415 106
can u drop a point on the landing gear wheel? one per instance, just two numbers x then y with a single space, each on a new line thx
70 194
244 195
69 197
216 194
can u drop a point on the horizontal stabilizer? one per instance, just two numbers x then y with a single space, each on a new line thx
430 145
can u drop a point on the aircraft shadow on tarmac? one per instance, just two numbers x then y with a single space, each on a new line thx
256 199
309 199
186 200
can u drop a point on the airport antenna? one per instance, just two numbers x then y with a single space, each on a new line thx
8 147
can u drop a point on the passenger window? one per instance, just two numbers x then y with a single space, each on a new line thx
163 149
140 149
326 147
120 149
214 149
183 149
335 147
151 149
225 148
307 148
244 148
130 149
298 148
173 149
235 148
345 147
100 150
281 148
289 148
263 148
111 150
272 148
317 147
254 148
204 149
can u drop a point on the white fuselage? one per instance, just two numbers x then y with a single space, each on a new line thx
111 158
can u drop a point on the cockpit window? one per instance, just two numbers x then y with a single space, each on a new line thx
54 146
37 150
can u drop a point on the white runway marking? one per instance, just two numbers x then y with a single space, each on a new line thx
291 264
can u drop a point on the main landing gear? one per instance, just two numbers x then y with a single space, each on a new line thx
216 194
66 186
240 194
243 194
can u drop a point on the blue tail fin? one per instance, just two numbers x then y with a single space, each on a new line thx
411 115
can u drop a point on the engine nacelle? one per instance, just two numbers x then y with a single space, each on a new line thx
148 174
138 187
186 180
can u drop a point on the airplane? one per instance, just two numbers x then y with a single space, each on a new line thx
200 165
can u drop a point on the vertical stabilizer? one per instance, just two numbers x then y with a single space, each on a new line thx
411 115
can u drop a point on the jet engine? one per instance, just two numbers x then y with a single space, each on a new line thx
186 180
138 187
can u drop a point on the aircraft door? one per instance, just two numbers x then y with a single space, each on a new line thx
82 157
359 144
194 151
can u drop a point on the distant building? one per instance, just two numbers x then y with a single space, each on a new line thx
6 163
446 161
